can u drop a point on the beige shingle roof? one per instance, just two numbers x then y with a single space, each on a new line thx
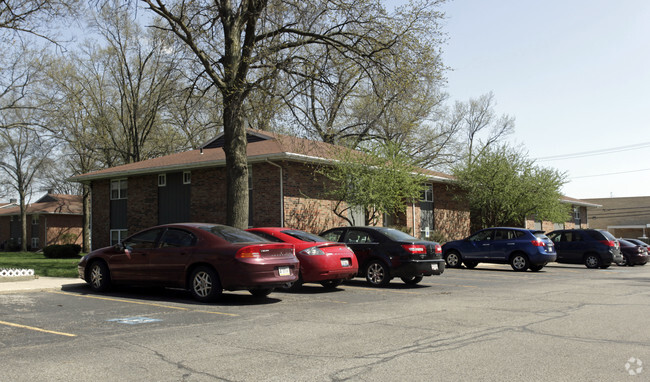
278 147
59 204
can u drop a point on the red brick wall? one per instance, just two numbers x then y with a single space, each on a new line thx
142 202
266 194
306 205
5 224
450 213
58 226
208 196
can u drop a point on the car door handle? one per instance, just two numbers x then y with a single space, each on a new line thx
510 243
485 245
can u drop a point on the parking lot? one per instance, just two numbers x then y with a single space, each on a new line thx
565 323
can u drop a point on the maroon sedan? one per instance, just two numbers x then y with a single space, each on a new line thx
204 258
633 254
321 261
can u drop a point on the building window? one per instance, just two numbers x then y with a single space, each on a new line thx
118 189
35 220
162 180
35 243
117 235
576 216
427 193
187 177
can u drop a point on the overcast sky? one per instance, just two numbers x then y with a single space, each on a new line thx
575 74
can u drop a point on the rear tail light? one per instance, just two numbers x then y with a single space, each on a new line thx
248 253
312 251
416 249
438 249
538 243
609 243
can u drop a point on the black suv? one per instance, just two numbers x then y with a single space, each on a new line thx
384 253
594 248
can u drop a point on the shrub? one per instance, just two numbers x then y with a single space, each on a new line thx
65 251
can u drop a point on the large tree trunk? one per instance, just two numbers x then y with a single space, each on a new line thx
85 247
23 223
236 163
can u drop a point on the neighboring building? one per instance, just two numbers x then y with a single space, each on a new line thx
285 190
623 217
52 219
579 217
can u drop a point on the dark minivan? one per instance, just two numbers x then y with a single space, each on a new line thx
521 248
384 253
595 248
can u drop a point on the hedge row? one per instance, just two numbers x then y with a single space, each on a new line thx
65 251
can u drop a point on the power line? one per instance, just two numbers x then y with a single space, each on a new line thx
610 173
610 150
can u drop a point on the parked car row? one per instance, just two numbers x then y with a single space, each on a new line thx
532 249
207 259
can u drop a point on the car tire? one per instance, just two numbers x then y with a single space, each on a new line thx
592 261
604 266
519 262
293 286
470 264
536 268
453 259
99 276
331 284
205 285
261 292
622 263
377 273
413 280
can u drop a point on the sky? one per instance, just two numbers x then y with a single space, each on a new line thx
575 75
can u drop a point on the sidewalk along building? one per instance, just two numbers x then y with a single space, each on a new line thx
578 218
285 190
52 219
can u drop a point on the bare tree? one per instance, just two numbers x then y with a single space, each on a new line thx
23 156
238 44
480 125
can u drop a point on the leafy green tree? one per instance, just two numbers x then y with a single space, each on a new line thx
380 180
505 187
238 44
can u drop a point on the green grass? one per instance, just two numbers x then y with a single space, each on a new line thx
41 265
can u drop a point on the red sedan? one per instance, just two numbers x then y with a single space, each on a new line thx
204 258
321 261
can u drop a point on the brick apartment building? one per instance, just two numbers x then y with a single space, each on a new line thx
579 217
52 219
284 190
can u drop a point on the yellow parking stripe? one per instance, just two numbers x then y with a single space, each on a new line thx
144 303
36 329
385 290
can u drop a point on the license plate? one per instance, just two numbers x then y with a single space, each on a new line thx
345 262
284 271
434 267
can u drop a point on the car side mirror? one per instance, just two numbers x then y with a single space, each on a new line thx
119 247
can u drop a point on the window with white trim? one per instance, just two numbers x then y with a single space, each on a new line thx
118 189
187 177
427 193
35 220
117 235
36 243
162 180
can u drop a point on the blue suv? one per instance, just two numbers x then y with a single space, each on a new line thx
521 248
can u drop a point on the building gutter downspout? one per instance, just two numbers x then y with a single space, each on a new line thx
413 204
281 192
